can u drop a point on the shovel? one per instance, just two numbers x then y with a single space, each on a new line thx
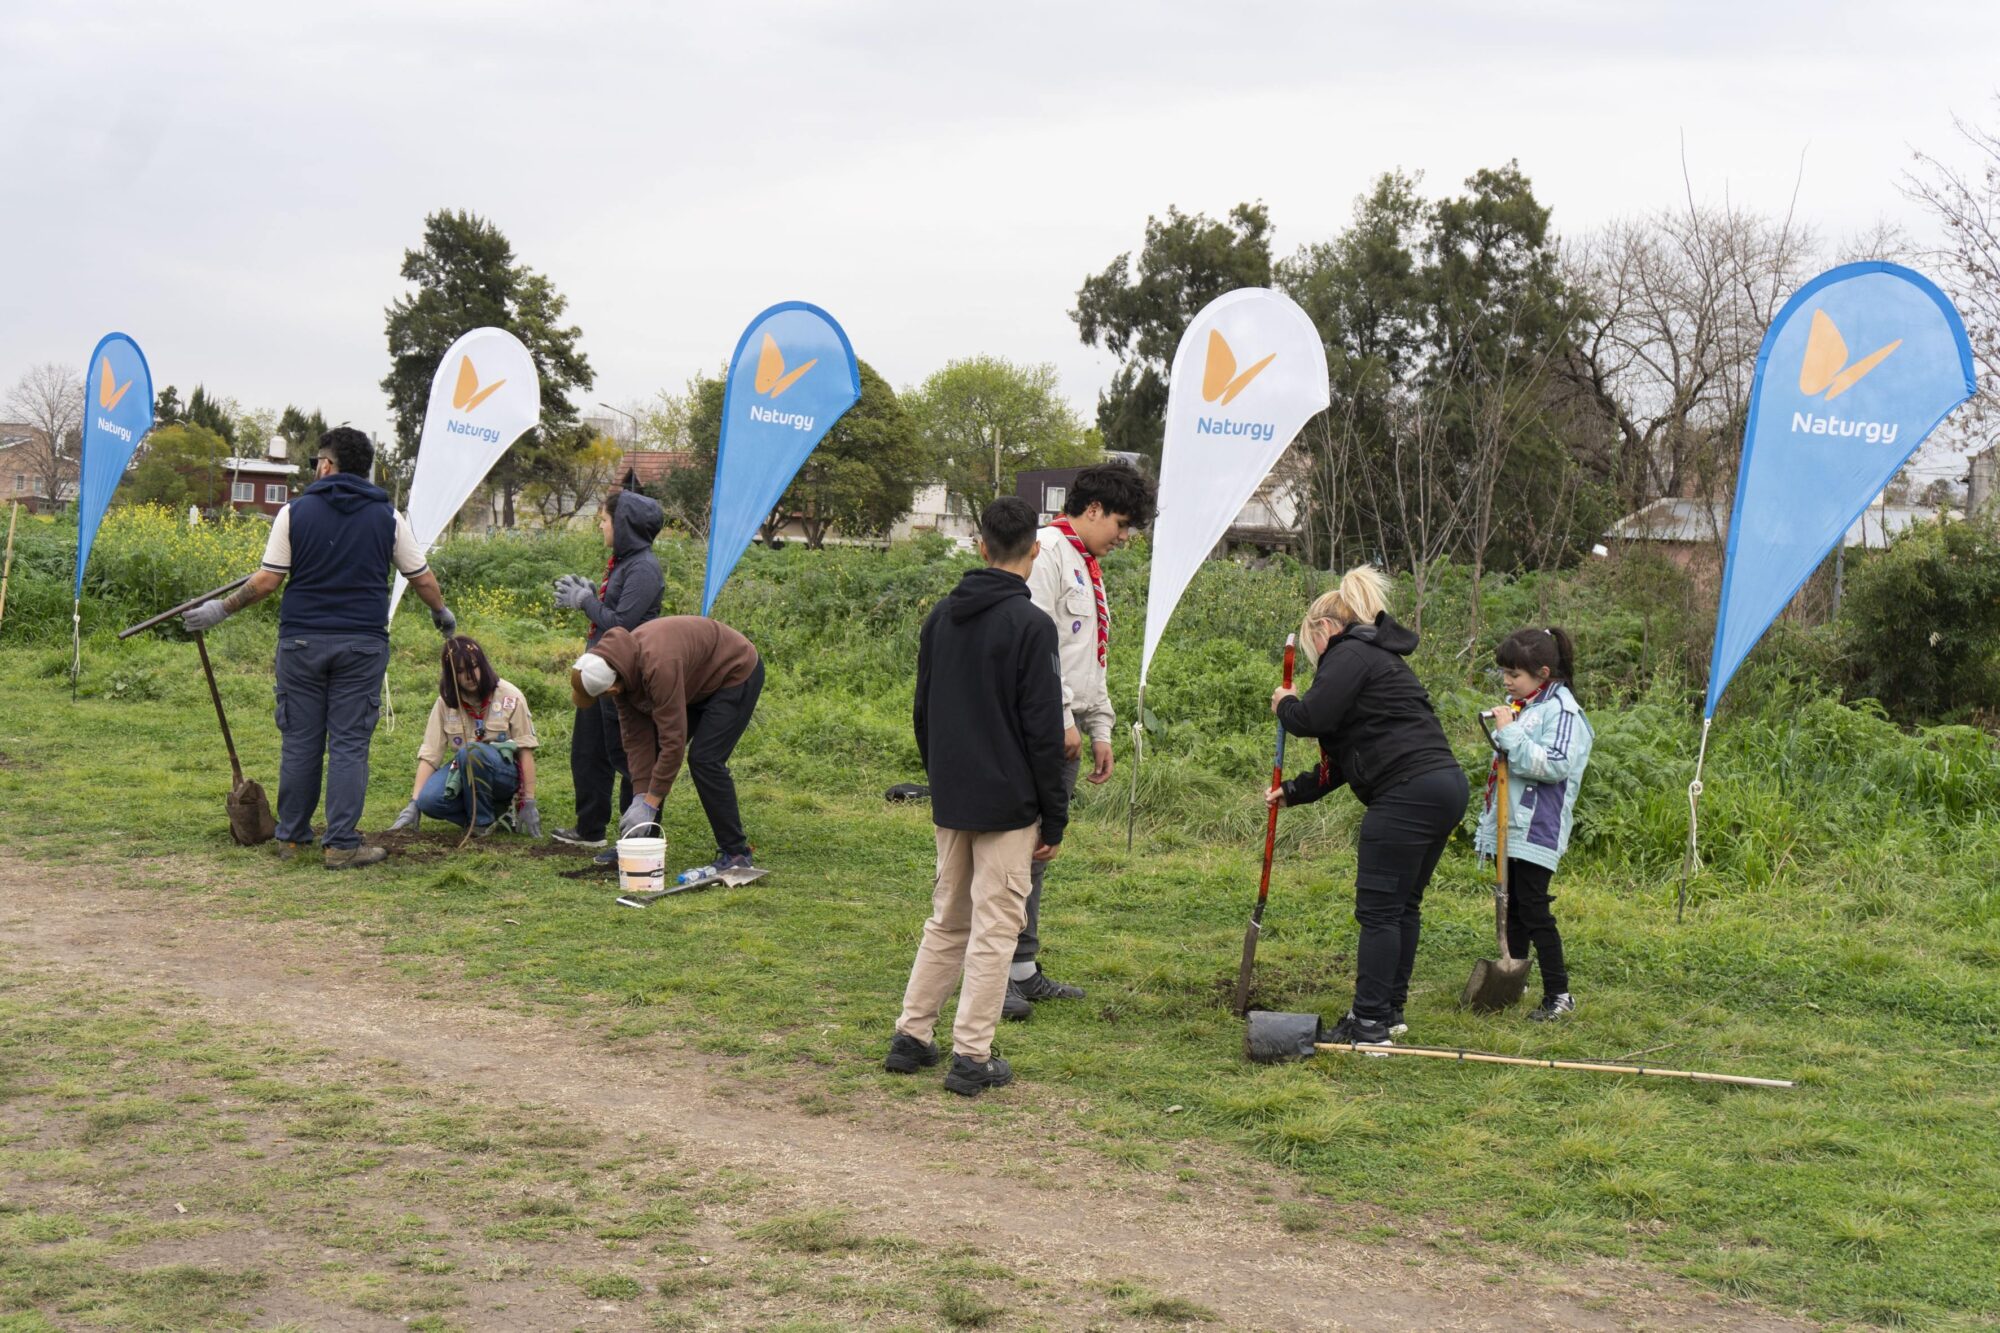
250 819
1241 1003
1497 983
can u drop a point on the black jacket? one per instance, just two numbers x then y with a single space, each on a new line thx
1370 714
988 710
633 592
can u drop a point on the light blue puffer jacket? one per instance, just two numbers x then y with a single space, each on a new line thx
1547 747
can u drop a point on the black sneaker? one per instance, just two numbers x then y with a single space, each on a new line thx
575 839
1354 1031
968 1078
907 1055
607 857
1397 1027
1552 1008
1016 1006
1039 987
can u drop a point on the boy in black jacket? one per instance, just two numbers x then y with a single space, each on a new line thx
629 596
989 725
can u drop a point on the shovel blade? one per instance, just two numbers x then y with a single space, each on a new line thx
250 818
1269 1037
1495 984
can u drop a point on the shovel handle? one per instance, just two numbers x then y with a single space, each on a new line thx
189 605
1501 815
228 741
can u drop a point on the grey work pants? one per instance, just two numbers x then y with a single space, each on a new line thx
329 693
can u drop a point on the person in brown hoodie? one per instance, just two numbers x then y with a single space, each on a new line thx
686 686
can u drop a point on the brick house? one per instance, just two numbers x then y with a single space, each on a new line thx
23 455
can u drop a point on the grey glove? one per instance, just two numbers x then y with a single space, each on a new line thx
571 589
408 819
446 622
637 815
528 819
206 616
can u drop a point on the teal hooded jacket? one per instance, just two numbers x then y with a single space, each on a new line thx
1547 748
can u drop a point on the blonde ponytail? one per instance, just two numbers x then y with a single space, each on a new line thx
1362 595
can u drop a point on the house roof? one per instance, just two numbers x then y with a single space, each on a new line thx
1673 519
649 465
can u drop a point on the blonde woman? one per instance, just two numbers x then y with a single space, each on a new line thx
1379 736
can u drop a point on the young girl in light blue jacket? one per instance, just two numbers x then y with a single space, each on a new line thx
1545 739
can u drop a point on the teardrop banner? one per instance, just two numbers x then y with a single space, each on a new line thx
1853 376
117 413
1249 373
484 396
793 376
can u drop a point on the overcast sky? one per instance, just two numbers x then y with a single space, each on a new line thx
234 184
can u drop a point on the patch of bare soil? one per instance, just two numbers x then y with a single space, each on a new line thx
1019 1189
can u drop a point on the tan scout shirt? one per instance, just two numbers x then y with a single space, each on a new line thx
506 719
1060 586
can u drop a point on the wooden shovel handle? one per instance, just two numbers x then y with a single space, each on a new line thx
228 741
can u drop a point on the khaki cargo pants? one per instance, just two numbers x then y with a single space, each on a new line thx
977 909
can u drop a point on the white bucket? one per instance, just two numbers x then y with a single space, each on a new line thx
642 863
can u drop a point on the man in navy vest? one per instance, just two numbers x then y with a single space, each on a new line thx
335 543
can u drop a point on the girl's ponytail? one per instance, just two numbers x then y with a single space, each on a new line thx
1531 650
1565 657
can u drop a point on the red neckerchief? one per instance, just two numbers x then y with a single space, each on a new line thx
1519 706
1062 525
604 588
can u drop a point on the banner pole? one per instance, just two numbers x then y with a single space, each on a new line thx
1138 748
8 567
75 645
1694 820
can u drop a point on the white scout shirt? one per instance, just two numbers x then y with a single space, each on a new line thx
1060 585
506 719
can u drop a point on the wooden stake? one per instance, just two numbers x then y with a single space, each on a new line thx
1587 1066
7 568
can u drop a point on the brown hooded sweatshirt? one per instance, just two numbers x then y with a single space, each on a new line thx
663 666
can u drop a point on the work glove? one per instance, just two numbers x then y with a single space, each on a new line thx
528 819
446 622
571 589
408 819
206 616
637 815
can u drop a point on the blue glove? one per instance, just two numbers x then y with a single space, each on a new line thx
637 815
446 622
528 819
206 616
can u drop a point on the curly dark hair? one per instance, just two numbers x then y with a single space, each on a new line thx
351 450
1119 487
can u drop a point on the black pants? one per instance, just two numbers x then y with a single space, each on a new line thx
1402 836
715 723
1531 919
596 756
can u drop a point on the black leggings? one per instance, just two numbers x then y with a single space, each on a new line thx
1531 919
1402 836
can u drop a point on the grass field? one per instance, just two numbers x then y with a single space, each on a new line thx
1844 935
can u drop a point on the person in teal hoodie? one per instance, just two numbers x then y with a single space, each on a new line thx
1542 733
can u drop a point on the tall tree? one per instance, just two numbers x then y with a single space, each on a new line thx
182 466
212 414
466 278
1964 196
1139 313
300 432
984 419
49 398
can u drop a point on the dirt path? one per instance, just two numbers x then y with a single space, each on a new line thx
924 1173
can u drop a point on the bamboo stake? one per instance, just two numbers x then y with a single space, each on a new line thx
1588 1066
7 568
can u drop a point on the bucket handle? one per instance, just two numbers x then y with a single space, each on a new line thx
654 823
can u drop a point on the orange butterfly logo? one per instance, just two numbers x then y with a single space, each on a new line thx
109 390
467 394
772 378
1219 379
1826 354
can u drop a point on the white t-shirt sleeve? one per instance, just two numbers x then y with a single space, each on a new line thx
278 547
409 555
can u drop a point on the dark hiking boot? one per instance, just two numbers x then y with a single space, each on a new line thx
1353 1031
968 1078
907 1055
1397 1027
1553 1007
288 851
1039 987
575 839
347 858
1016 1005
